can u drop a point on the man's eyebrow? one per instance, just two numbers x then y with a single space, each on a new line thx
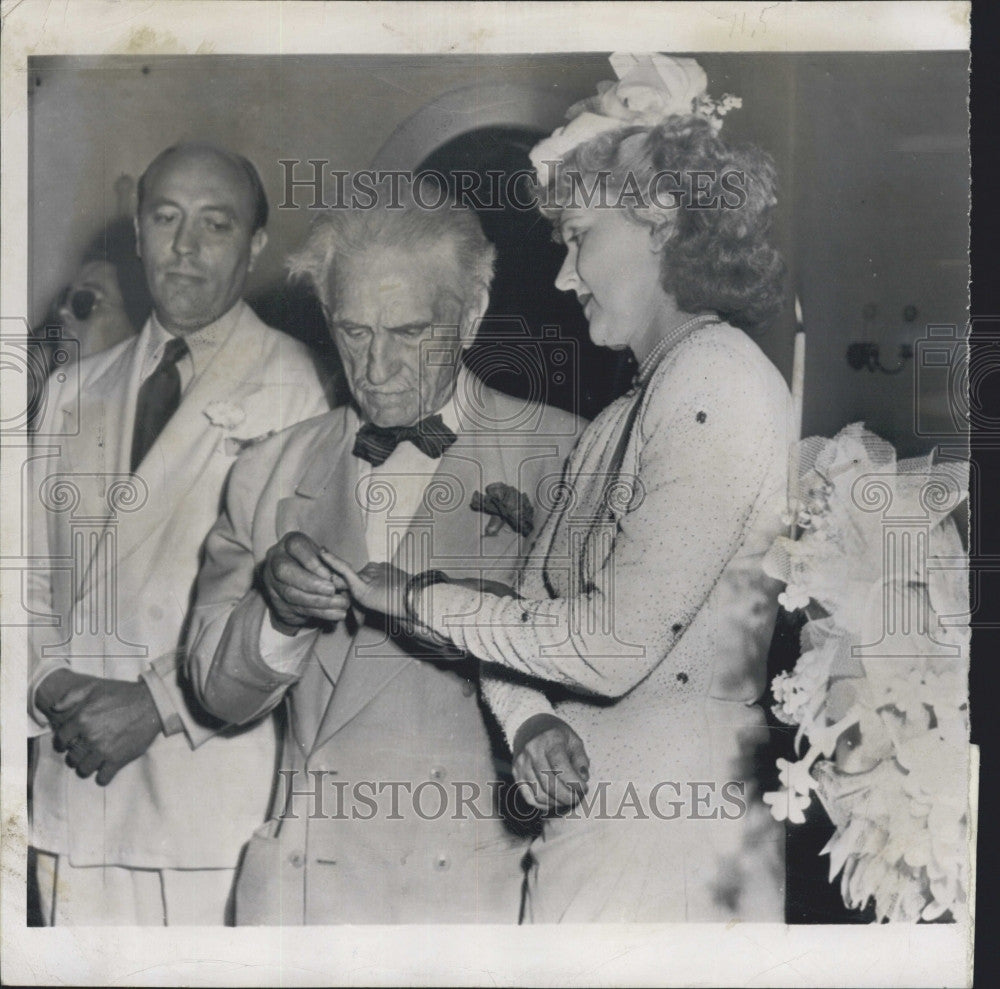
418 324
155 201
348 324
207 208
212 208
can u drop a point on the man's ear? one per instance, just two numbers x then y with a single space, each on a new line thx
138 239
474 311
257 244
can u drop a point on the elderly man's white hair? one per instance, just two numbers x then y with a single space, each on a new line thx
405 225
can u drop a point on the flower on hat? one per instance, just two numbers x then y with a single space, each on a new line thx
650 89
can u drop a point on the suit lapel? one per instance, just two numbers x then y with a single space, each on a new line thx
455 542
98 456
107 412
325 507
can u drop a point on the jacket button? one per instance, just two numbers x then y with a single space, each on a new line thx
441 863
296 859
468 688
438 773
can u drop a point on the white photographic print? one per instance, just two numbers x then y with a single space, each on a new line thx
486 494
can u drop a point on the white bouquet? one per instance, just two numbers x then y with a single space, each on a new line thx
879 693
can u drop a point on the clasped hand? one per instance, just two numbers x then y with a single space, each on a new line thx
301 590
551 766
101 724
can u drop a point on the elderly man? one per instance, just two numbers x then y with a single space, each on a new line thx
132 455
386 805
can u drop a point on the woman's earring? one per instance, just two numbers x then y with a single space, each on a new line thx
659 237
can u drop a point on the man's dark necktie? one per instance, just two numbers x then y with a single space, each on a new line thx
430 436
159 396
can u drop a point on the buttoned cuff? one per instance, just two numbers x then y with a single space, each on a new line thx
43 669
165 708
171 699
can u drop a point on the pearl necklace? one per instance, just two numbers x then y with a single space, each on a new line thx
666 343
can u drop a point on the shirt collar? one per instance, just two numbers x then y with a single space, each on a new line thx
405 456
202 344
449 411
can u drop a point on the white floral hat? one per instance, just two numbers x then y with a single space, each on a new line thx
650 88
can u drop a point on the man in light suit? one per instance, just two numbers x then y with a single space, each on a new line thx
368 824
130 462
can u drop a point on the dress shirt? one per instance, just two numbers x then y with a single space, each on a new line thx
202 344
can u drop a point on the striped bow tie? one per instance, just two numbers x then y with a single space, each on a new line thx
430 436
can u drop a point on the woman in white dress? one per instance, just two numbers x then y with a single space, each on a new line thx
643 600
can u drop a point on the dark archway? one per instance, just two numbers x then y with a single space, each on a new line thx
525 307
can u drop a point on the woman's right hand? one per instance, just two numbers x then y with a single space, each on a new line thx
551 765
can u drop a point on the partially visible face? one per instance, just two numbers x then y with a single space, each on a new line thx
196 239
614 268
92 311
398 327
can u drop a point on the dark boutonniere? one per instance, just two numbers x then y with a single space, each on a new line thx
506 505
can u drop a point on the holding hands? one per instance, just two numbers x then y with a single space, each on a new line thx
306 583
378 587
383 588
550 764
299 587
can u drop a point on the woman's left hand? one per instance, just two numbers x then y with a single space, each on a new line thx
379 587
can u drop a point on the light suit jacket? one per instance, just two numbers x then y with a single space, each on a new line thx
365 713
124 552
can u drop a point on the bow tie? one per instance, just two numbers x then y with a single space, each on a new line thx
430 436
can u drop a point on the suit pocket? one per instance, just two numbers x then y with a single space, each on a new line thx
269 886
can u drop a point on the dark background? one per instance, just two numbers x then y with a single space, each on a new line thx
985 535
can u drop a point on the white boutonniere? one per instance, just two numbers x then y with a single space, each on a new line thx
225 415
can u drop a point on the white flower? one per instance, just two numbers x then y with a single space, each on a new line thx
795 776
650 88
896 788
787 806
225 415
793 598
